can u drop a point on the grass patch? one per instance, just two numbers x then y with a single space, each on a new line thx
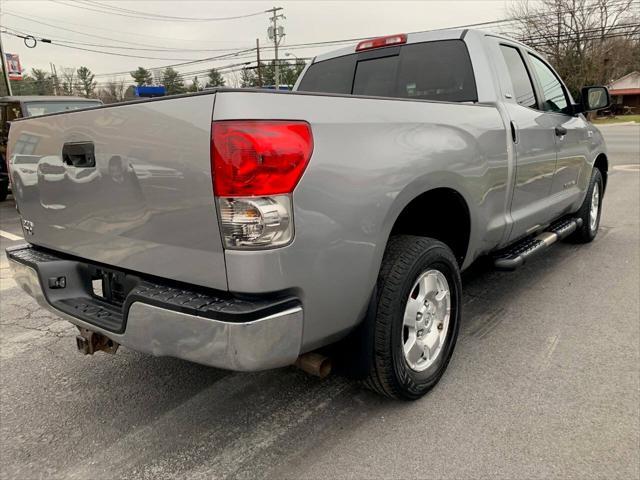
617 119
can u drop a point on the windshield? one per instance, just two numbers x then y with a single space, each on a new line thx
33 109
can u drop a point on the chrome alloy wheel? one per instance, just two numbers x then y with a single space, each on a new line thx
595 207
426 320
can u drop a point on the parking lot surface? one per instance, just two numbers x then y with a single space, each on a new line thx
544 383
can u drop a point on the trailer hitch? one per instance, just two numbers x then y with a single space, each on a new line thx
89 342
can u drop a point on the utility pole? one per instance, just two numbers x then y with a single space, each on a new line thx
5 70
276 33
259 67
54 78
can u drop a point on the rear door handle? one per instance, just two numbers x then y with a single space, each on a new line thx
79 154
560 131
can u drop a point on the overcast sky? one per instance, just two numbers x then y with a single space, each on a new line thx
306 21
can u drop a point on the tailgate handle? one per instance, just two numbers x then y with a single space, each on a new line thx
79 154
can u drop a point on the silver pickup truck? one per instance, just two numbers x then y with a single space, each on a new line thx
252 229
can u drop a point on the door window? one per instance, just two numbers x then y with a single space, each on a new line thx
520 79
554 98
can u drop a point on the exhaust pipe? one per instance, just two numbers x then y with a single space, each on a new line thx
89 342
314 364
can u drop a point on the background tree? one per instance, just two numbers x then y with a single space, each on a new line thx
215 78
26 86
589 42
195 85
142 76
68 85
113 92
86 83
172 81
248 78
289 73
43 84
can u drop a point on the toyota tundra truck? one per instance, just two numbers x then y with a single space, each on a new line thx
252 229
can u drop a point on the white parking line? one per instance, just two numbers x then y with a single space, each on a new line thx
10 236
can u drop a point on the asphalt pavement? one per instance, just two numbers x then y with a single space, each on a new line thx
544 383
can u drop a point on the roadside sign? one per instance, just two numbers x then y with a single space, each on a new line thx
13 66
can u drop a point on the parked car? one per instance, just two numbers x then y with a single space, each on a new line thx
12 108
334 220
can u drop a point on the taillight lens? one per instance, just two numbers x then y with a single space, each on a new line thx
382 42
255 166
259 157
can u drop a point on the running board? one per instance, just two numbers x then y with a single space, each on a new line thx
516 255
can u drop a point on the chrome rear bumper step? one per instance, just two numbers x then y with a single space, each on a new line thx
516 255
212 328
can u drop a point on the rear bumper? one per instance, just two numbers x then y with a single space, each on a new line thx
246 336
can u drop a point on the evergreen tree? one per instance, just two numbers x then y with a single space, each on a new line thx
86 84
215 79
142 76
172 81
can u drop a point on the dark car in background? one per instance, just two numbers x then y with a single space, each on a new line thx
12 108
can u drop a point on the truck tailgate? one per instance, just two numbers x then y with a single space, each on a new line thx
147 205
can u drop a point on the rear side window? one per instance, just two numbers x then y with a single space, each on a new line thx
439 70
330 76
520 79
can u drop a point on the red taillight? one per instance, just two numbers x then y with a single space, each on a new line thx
382 42
258 157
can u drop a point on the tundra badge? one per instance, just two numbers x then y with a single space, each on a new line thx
27 226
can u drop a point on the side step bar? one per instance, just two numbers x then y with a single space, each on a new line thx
517 254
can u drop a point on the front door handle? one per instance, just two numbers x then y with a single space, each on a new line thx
560 131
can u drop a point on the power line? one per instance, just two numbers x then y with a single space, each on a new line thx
51 42
120 47
120 32
125 12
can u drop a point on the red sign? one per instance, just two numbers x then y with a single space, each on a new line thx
13 66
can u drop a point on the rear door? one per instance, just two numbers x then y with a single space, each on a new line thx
128 186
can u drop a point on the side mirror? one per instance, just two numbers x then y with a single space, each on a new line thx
594 98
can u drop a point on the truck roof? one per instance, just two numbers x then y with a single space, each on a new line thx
416 37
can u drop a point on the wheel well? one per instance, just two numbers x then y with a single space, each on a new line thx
602 164
446 218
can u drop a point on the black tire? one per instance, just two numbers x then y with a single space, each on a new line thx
586 233
4 191
405 259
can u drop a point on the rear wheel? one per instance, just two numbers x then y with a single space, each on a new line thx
590 210
417 317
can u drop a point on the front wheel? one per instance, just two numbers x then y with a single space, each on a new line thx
590 210
417 317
